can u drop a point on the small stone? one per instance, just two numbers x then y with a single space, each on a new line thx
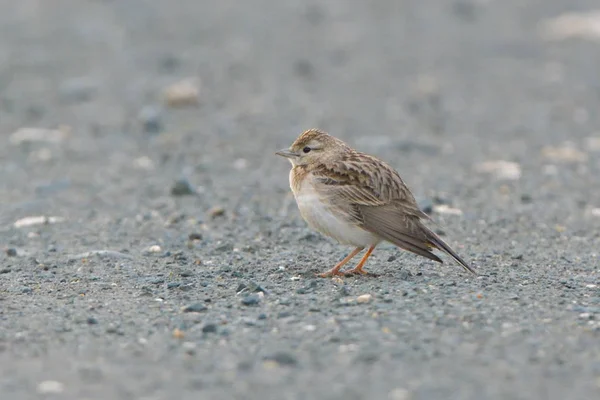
182 187
54 136
580 25
195 236
593 143
26 290
216 211
345 291
151 119
283 358
183 93
154 249
189 348
11 252
262 316
566 153
399 394
501 170
595 212
144 163
526 198
251 300
365 298
196 307
209 328
284 314
37 220
445 209
240 164
5 270
92 321
50 387
178 333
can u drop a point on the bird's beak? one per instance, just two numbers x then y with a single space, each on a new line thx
286 153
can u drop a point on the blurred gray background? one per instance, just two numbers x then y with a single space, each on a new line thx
152 250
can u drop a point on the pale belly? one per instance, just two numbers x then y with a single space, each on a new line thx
319 217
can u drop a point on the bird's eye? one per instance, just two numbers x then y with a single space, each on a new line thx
306 149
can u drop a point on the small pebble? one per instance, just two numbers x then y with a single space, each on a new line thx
50 387
178 333
182 93
54 136
446 209
365 298
196 307
189 348
399 394
37 220
569 25
11 252
92 321
240 164
154 249
500 169
251 300
182 187
151 119
566 153
209 328
216 211
144 163
195 236
283 358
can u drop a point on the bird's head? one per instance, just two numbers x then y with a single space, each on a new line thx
314 147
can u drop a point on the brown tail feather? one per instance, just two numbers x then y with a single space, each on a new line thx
441 245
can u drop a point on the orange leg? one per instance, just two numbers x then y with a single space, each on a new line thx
336 270
359 268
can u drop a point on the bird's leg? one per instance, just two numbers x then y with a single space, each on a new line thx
359 268
336 270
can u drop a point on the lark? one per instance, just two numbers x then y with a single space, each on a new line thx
357 200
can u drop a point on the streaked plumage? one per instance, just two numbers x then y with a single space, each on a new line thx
357 200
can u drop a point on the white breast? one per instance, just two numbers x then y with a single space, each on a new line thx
319 216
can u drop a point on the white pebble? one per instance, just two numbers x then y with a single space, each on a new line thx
40 135
445 209
364 298
37 220
240 164
183 93
310 328
144 163
501 170
154 249
50 387
399 394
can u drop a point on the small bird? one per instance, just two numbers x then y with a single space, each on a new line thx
357 200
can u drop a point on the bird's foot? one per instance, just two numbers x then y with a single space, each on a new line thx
355 271
331 273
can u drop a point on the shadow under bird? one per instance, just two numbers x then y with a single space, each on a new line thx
357 200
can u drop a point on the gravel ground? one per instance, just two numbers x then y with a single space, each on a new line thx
171 261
